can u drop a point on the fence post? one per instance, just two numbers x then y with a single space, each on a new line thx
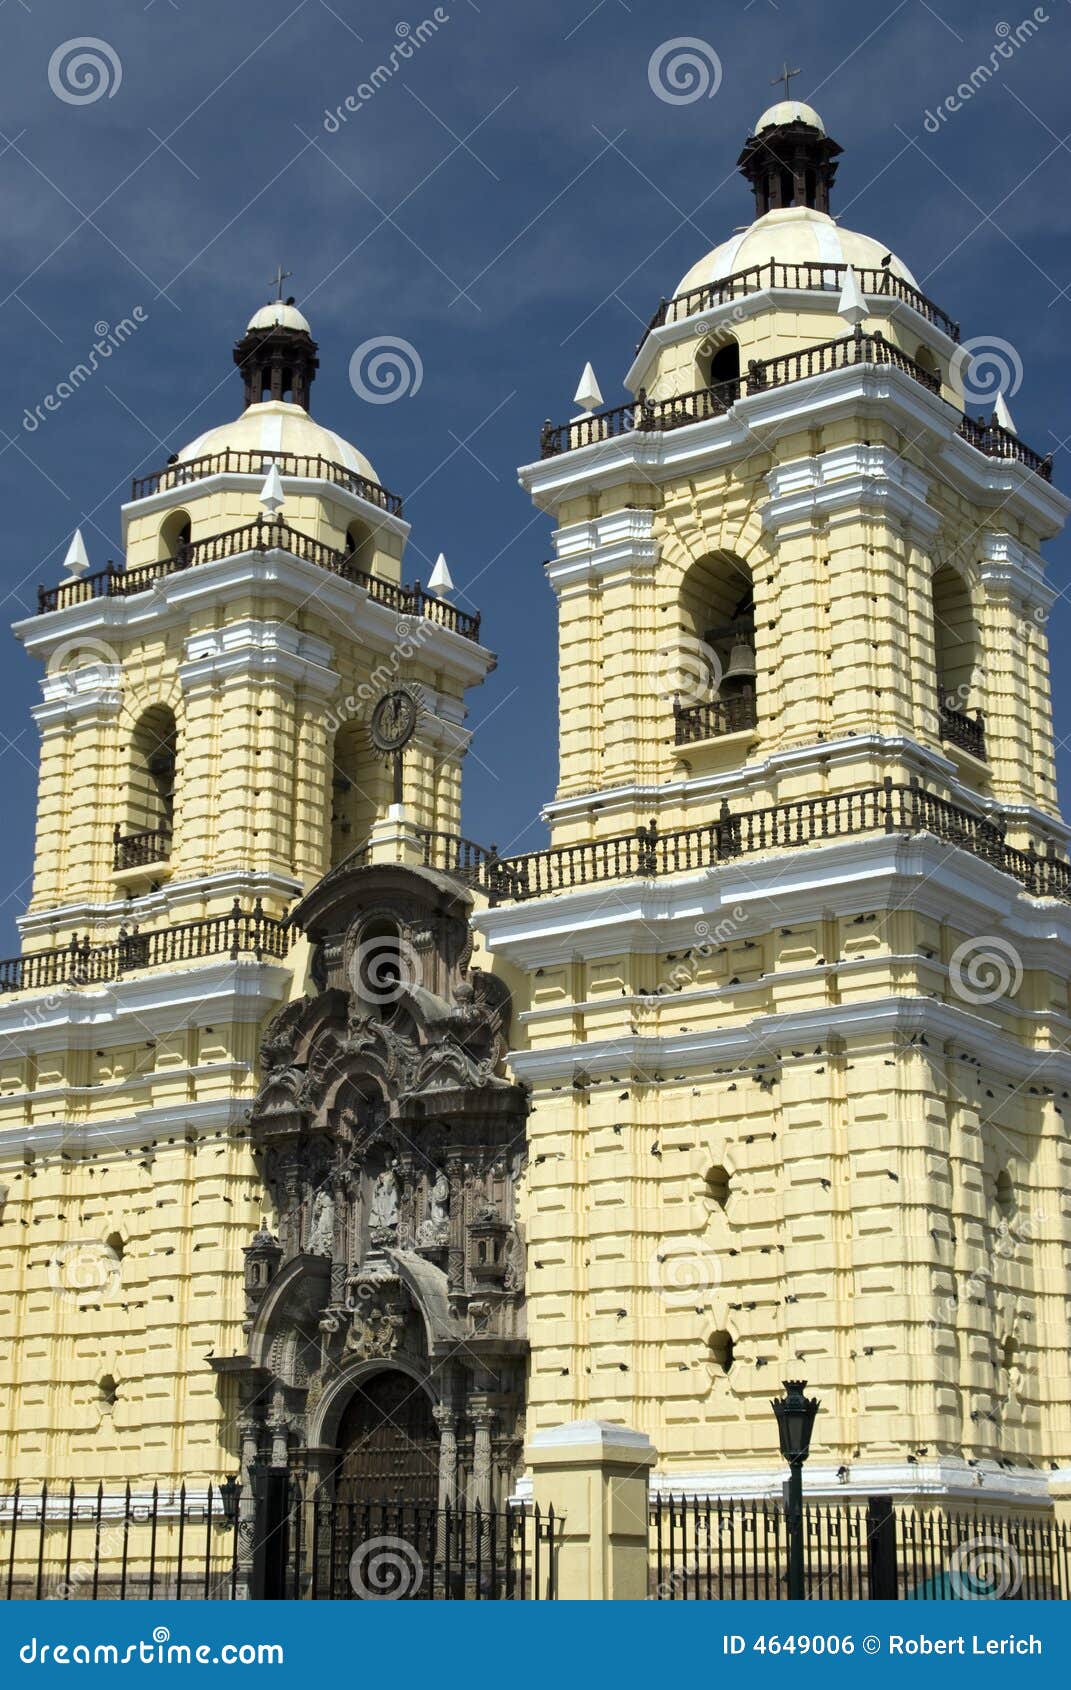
595 1475
881 1548
271 1498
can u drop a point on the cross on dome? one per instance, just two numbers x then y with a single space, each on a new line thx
278 279
785 75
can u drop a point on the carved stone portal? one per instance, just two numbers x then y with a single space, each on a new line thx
391 1145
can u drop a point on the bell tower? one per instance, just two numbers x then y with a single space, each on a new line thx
796 958
207 757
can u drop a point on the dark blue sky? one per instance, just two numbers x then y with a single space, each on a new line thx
514 201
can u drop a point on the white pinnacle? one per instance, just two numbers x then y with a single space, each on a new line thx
1003 415
440 580
77 560
851 305
272 496
588 393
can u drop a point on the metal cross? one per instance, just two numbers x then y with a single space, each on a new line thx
785 76
282 275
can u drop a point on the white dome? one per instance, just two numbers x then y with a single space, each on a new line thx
795 234
278 314
275 426
789 111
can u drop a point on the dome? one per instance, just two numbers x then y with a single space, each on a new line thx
790 111
276 426
795 234
278 314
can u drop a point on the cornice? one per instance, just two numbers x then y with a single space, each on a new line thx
621 542
244 884
240 651
119 1132
840 485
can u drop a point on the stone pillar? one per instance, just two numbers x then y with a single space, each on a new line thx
249 1445
1060 1491
595 1475
394 840
482 1418
447 1423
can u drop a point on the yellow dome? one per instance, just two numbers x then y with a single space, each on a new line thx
789 111
275 426
794 235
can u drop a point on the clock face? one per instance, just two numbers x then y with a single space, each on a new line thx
394 720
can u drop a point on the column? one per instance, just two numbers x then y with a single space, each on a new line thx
594 1475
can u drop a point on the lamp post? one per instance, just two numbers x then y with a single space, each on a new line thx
229 1492
795 1421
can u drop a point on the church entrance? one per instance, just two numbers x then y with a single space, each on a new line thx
389 1443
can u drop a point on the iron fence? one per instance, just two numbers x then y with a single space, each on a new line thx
713 1549
178 1543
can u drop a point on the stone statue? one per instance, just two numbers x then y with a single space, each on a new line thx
439 1212
383 1214
322 1228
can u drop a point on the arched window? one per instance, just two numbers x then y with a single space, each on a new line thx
360 545
723 370
927 360
174 534
1005 1194
360 789
380 967
150 804
712 674
956 650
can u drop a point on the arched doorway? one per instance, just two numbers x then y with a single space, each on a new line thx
389 1443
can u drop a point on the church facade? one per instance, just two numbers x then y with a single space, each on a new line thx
334 1141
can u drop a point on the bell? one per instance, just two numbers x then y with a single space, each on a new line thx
741 666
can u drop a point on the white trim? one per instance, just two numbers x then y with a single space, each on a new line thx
619 543
798 759
120 1132
1008 564
174 599
164 1000
839 484
852 394
265 649
949 1479
91 692
156 906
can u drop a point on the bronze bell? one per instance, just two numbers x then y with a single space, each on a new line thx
741 665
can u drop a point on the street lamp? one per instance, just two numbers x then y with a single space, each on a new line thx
228 1494
795 1422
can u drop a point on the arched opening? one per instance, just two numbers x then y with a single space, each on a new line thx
1005 1194
389 1443
721 1351
927 360
360 545
150 806
956 648
107 1392
711 674
174 534
722 372
360 782
381 965
718 1184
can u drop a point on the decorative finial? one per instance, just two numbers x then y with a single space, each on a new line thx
1002 414
851 305
588 393
277 281
440 580
272 496
785 75
77 560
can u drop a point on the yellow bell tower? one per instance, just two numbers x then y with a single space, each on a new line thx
206 757
794 969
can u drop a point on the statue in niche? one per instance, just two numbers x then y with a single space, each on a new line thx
435 1228
322 1228
383 1214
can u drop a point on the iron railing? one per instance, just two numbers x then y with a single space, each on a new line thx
82 963
321 1544
713 718
263 535
889 808
645 415
452 854
709 1549
174 1543
134 850
827 278
300 465
967 733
